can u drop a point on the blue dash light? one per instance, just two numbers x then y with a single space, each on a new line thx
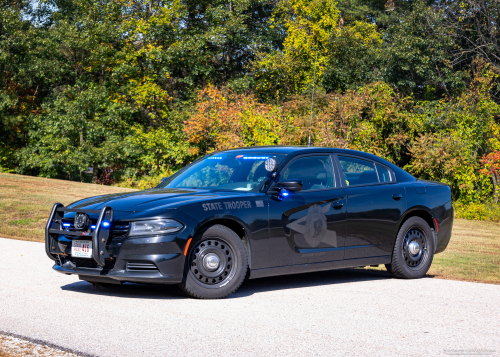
93 226
255 158
105 224
66 224
284 194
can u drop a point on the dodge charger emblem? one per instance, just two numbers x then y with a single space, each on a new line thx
82 221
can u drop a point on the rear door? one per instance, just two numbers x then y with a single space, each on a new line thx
308 226
375 203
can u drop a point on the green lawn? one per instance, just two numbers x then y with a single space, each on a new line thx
25 202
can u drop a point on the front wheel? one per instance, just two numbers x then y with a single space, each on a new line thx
413 251
216 265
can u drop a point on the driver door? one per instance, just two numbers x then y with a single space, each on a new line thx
308 226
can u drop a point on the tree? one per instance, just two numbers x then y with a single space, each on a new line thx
354 58
308 26
490 165
417 54
475 26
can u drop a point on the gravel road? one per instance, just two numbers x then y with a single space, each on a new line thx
337 313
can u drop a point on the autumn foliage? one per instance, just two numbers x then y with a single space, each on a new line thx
224 120
490 165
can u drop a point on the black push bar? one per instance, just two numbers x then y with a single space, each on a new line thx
99 236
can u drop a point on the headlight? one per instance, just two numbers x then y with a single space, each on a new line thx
158 226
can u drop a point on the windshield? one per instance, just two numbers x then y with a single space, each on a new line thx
232 171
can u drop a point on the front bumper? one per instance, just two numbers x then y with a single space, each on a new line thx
152 259
157 260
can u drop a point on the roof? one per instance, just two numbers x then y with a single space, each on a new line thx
277 149
297 150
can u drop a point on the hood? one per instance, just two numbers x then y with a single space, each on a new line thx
149 199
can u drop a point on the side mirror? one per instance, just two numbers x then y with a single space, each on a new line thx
291 185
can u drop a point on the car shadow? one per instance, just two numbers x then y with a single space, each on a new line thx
248 288
298 281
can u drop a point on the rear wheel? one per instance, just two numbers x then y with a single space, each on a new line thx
216 264
413 251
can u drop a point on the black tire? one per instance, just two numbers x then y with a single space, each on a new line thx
405 264
216 264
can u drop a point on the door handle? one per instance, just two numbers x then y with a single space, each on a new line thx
397 196
337 205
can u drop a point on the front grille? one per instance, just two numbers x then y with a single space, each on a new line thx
120 230
137 265
91 263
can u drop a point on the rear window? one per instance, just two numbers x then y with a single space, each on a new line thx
383 174
358 171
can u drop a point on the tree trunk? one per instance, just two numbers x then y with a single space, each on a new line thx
94 173
494 177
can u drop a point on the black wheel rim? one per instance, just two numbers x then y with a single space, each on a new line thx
415 248
213 263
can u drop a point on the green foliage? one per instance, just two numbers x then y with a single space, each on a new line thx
146 182
353 52
156 149
308 26
417 53
453 135
127 92
477 211
81 129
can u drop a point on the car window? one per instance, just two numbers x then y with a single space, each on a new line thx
358 171
383 174
315 172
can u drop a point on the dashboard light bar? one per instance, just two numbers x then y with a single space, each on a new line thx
105 224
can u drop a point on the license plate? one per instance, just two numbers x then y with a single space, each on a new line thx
81 248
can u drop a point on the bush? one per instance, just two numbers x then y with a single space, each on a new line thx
145 182
477 211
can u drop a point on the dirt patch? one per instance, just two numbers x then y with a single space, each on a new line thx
11 346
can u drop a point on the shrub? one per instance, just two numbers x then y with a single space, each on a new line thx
146 182
477 211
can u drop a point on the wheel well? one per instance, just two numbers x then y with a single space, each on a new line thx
236 227
426 216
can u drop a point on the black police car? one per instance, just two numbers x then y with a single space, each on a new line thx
255 212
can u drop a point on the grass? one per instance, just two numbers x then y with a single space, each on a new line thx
472 255
25 202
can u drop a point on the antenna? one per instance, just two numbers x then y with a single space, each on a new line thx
312 100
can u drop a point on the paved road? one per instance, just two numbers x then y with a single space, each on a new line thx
338 313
